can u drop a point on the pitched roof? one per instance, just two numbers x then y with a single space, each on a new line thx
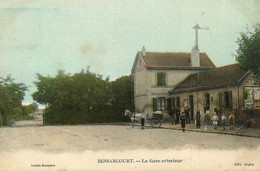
173 59
228 75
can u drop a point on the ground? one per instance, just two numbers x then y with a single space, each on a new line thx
109 137
80 147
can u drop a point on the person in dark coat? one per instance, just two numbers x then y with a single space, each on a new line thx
205 108
183 118
172 114
198 119
187 114
142 122
177 116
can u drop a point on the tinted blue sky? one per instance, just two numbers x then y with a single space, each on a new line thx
44 36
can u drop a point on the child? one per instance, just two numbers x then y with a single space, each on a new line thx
215 120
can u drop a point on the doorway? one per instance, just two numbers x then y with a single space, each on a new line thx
191 106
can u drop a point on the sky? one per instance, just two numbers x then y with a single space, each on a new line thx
44 36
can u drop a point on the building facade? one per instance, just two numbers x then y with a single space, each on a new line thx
154 74
228 87
164 80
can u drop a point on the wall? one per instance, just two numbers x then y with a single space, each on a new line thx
145 88
200 100
140 88
254 92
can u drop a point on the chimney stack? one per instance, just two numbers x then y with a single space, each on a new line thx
143 51
195 57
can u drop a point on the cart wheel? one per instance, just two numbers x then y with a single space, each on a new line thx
160 124
156 123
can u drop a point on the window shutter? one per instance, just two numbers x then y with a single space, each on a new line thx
151 105
159 79
217 101
220 101
156 79
163 79
169 104
154 104
230 100
166 104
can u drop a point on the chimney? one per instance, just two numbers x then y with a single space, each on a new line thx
195 57
143 51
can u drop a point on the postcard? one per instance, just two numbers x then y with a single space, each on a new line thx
129 85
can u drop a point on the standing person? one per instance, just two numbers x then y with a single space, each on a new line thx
198 119
231 119
187 115
215 120
183 118
205 108
142 122
177 116
223 120
172 114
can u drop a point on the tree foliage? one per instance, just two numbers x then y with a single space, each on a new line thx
248 52
11 97
84 97
44 86
122 95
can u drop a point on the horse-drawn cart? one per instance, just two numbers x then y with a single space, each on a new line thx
156 119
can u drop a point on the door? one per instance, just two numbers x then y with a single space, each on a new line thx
191 106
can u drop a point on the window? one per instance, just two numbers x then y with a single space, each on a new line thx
178 103
161 104
228 99
160 79
207 101
158 104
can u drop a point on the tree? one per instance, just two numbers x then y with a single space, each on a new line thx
77 99
11 97
122 96
248 52
44 92
83 97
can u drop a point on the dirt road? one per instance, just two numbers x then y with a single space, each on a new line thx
62 145
95 137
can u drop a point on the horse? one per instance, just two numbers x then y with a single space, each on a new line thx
135 117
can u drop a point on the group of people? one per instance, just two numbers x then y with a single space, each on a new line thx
223 120
184 117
